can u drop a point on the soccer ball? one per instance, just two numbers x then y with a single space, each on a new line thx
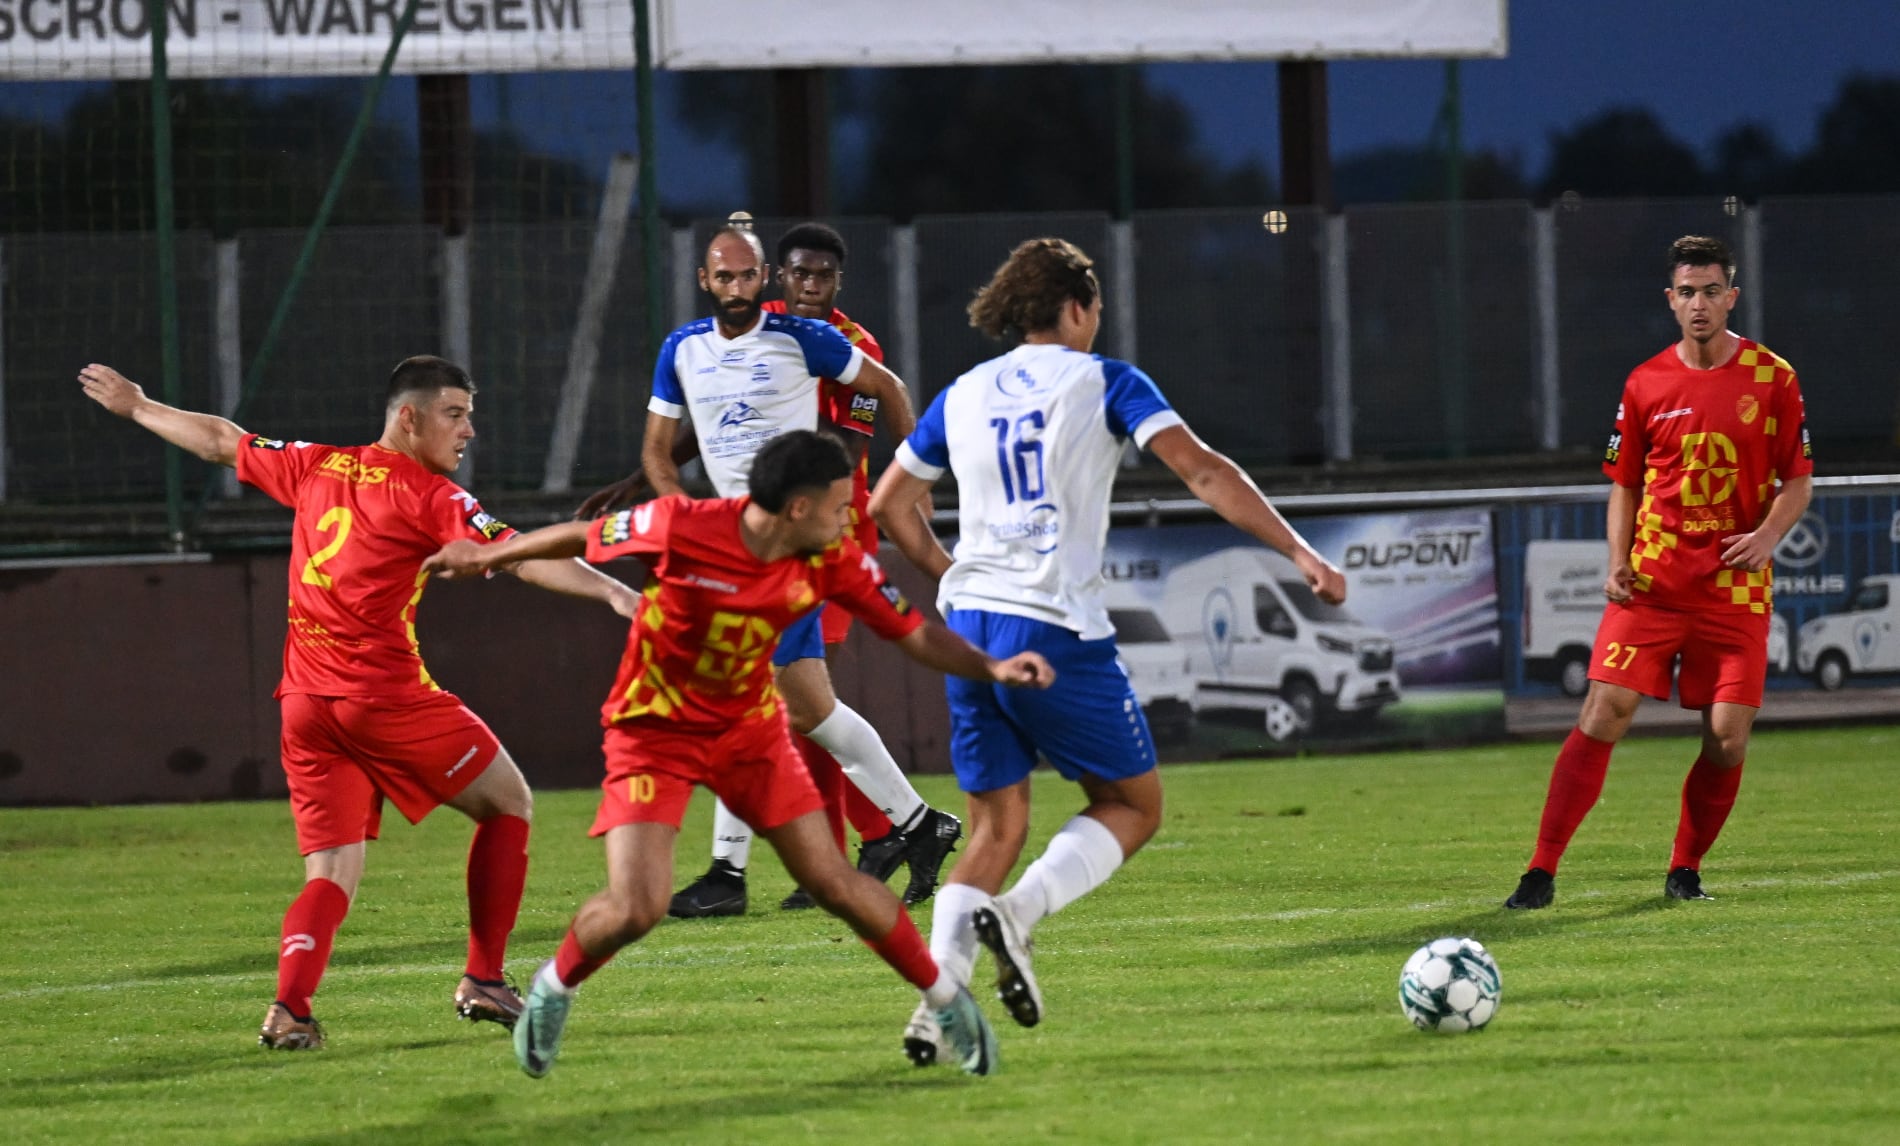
1450 985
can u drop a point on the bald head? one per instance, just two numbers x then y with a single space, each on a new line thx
734 273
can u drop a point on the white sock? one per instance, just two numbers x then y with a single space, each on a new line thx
552 981
941 993
952 935
732 837
1078 860
862 755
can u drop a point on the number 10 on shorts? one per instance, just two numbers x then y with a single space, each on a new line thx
640 789
1620 655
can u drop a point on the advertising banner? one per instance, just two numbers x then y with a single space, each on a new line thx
1836 624
1231 654
111 39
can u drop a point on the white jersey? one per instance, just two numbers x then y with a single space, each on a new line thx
1034 438
743 392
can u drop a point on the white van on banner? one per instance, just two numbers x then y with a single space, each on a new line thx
1229 652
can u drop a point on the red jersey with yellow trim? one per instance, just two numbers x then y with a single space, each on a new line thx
700 650
1706 448
848 409
366 519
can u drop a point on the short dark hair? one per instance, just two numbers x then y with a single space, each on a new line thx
793 463
1032 286
732 231
1701 251
811 237
426 372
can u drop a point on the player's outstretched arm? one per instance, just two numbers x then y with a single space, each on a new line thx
656 454
1753 551
893 397
900 506
576 578
1225 487
466 558
934 646
627 490
210 437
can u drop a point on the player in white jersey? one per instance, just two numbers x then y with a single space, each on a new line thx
745 377
1034 438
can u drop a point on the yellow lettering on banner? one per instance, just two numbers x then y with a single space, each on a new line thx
1708 462
341 519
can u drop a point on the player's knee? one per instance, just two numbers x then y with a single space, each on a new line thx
630 916
1608 710
832 889
1727 749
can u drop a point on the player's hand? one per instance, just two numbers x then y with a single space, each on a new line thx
1620 584
624 601
111 389
1750 551
616 496
1025 670
1322 576
461 558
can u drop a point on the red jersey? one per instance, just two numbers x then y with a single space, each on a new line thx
366 519
1706 447
848 409
700 650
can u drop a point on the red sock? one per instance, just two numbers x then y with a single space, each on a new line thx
497 871
573 966
1707 796
1575 784
831 782
904 949
309 931
867 819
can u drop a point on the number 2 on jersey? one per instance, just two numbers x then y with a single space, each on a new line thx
1027 453
337 517
1626 652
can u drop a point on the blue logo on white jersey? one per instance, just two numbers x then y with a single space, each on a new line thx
1017 383
739 414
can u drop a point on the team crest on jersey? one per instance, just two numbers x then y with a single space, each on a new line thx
800 596
739 414
1747 407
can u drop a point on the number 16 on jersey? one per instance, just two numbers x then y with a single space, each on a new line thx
1020 443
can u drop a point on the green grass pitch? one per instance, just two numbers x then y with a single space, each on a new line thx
1236 982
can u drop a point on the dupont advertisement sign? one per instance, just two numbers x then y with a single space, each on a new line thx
1836 623
1230 653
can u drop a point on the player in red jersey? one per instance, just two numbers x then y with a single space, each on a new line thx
362 719
811 272
1712 466
695 702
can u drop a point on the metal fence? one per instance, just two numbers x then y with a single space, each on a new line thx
1394 332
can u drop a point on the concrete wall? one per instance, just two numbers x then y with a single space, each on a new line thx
126 683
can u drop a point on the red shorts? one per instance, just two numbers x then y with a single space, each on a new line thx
344 754
1724 655
835 624
751 765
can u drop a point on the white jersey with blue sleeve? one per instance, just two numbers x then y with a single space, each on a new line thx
1034 438
742 392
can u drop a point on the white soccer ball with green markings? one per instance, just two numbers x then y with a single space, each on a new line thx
1450 985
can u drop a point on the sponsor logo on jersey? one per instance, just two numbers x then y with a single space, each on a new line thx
863 408
732 358
350 468
1668 414
709 583
1615 448
487 525
895 597
738 415
616 529
269 444
1747 407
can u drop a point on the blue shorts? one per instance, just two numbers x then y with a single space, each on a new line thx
1087 723
806 638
